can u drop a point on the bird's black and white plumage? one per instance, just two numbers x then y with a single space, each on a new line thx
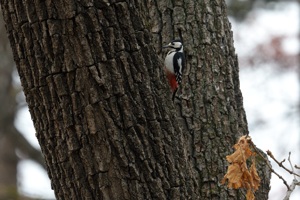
174 64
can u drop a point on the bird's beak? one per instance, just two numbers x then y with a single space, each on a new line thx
166 46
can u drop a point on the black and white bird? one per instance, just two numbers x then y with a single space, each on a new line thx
174 64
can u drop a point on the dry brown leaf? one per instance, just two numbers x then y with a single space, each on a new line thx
250 195
234 175
255 177
242 153
238 175
247 180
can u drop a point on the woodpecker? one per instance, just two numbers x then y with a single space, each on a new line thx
174 64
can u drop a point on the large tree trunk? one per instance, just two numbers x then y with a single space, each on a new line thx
101 105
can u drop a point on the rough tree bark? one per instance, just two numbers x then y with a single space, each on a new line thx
102 110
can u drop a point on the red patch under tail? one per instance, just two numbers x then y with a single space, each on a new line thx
172 81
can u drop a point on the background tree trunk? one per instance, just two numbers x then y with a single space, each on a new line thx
8 157
101 105
11 140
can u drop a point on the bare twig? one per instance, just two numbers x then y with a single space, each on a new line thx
294 183
292 171
292 187
280 164
289 159
268 164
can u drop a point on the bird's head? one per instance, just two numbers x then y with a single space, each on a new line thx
175 44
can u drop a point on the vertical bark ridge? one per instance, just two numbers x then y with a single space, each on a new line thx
210 111
88 70
100 102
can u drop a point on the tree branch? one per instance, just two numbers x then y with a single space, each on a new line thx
270 167
22 143
281 163
294 183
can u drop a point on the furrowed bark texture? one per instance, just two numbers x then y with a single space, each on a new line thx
211 104
88 72
101 105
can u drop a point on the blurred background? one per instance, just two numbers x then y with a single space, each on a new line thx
266 36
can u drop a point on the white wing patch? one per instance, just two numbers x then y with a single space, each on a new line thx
179 73
180 65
